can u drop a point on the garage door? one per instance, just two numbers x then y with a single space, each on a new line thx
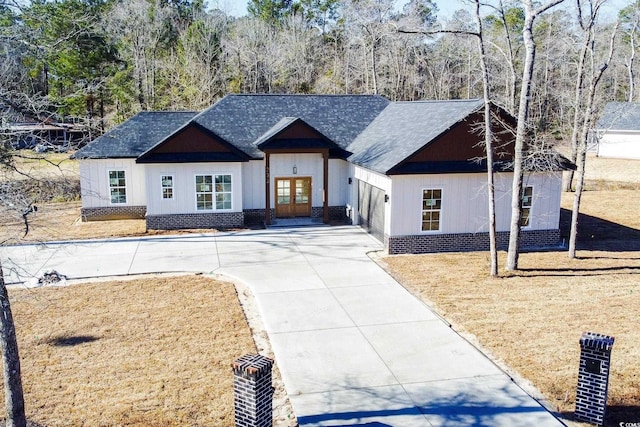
371 209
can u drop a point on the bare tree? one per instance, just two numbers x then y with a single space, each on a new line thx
588 106
487 128
631 21
522 128
488 138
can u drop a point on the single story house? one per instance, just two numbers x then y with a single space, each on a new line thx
412 174
618 131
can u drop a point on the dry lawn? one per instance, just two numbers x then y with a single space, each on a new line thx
61 221
532 320
32 165
147 352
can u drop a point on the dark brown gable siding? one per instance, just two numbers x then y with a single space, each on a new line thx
463 142
192 140
298 131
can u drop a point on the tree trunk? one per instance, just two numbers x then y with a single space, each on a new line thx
488 138
586 125
521 134
632 57
13 397
521 130
567 181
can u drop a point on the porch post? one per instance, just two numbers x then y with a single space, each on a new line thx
325 176
267 189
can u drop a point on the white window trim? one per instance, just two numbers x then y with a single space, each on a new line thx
173 186
195 192
222 192
126 186
533 197
213 175
439 230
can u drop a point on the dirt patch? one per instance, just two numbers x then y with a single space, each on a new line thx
532 320
153 351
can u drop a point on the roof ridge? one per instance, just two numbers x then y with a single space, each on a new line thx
301 95
167 111
434 101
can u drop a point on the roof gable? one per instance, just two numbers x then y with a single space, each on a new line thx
460 149
135 136
405 129
292 133
243 120
192 143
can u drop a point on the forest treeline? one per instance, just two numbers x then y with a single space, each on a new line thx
101 61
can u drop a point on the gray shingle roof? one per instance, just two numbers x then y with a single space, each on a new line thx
403 128
136 135
243 119
620 116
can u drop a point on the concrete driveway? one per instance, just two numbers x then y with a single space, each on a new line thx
354 347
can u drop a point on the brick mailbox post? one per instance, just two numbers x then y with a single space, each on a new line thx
253 391
593 377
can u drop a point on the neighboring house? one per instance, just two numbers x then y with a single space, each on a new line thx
410 173
46 135
618 131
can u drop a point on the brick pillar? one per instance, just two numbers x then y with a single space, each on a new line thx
593 377
253 392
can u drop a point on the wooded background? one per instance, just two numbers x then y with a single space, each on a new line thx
101 61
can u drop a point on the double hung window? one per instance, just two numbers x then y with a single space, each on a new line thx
527 202
431 209
117 187
167 186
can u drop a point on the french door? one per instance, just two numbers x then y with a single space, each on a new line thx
293 197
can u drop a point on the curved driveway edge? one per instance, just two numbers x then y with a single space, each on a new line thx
353 346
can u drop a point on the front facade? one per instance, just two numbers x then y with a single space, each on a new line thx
409 173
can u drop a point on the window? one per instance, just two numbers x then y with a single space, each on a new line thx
431 207
223 191
205 191
117 187
167 186
527 201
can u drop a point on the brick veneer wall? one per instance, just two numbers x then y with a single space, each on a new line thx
253 391
113 212
593 377
428 243
256 216
196 220
336 213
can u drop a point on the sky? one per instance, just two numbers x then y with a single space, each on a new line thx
446 7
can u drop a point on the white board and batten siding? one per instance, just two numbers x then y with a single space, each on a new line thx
378 180
94 181
184 186
465 202
307 165
338 182
619 144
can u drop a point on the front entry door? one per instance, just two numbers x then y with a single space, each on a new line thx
293 197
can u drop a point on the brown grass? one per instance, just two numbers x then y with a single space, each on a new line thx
153 351
532 319
31 165
61 221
